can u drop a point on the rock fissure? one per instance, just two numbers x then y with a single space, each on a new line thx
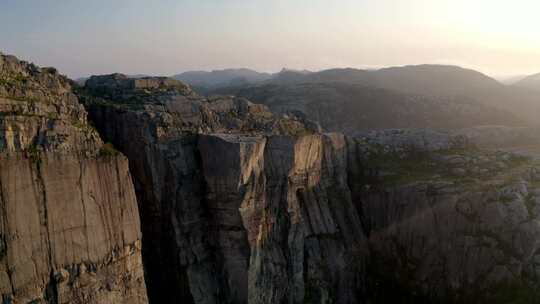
43 210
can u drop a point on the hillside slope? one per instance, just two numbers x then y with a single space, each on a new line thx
530 82
433 82
349 108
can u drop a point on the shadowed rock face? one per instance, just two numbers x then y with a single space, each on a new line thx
453 225
281 210
69 225
239 206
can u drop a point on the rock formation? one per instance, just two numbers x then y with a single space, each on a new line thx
69 224
241 206
238 205
449 224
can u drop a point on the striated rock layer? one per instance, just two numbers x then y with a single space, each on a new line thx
240 206
69 224
283 214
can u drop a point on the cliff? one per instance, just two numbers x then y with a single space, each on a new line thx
237 204
241 206
69 224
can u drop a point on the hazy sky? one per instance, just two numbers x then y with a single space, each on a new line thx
170 36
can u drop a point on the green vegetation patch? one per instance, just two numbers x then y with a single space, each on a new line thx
52 115
33 152
14 80
530 204
398 168
108 150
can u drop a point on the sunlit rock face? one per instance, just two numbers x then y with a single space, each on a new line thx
69 224
285 199
237 205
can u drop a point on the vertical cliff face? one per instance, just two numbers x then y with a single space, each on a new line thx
286 227
249 207
69 225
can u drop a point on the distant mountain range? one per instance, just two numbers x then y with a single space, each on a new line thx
434 77
423 96
422 79
430 79
351 108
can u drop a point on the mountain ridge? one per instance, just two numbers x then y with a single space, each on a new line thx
530 82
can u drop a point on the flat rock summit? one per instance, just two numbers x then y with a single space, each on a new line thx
140 190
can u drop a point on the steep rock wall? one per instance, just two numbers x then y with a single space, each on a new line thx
69 224
284 215
237 205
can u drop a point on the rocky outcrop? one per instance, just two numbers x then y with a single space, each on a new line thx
122 87
237 205
69 224
453 225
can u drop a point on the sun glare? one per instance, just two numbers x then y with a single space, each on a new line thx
498 24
